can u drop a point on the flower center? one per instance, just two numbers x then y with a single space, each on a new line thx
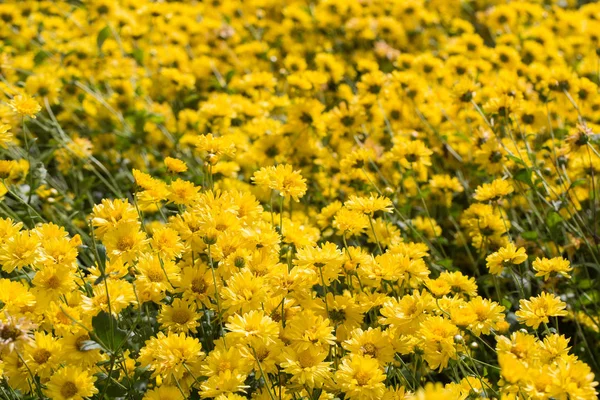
198 286
53 282
155 275
69 389
79 342
41 356
180 316
9 333
125 243
370 349
362 378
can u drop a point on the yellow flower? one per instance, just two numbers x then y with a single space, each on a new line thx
544 267
437 341
369 205
126 241
73 349
227 382
350 222
308 331
488 315
325 260
5 135
505 256
371 343
197 284
110 213
495 190
252 326
15 296
166 242
71 383
360 377
155 277
222 359
119 292
54 281
183 192
283 178
428 226
24 105
175 165
538 310
42 354
164 392
180 316
307 367
168 356
21 250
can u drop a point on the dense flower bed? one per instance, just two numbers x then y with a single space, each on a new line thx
335 199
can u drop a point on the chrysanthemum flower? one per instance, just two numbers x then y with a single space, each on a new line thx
544 267
252 326
175 165
495 190
505 256
180 316
71 383
24 105
168 355
306 367
538 310
360 377
5 135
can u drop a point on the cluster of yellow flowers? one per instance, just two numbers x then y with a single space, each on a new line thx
328 199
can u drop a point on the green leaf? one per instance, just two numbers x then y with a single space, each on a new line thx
229 76
40 57
578 182
156 118
529 235
553 218
106 385
446 263
516 159
102 36
101 257
138 56
523 175
107 331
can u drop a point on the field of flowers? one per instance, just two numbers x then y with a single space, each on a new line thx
300 199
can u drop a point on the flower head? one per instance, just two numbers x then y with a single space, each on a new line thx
538 310
24 105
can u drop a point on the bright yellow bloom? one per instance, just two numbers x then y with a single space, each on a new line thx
283 178
360 377
20 250
252 326
180 316
495 190
5 135
544 267
369 205
24 105
71 383
175 165
307 367
167 356
505 257
538 310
